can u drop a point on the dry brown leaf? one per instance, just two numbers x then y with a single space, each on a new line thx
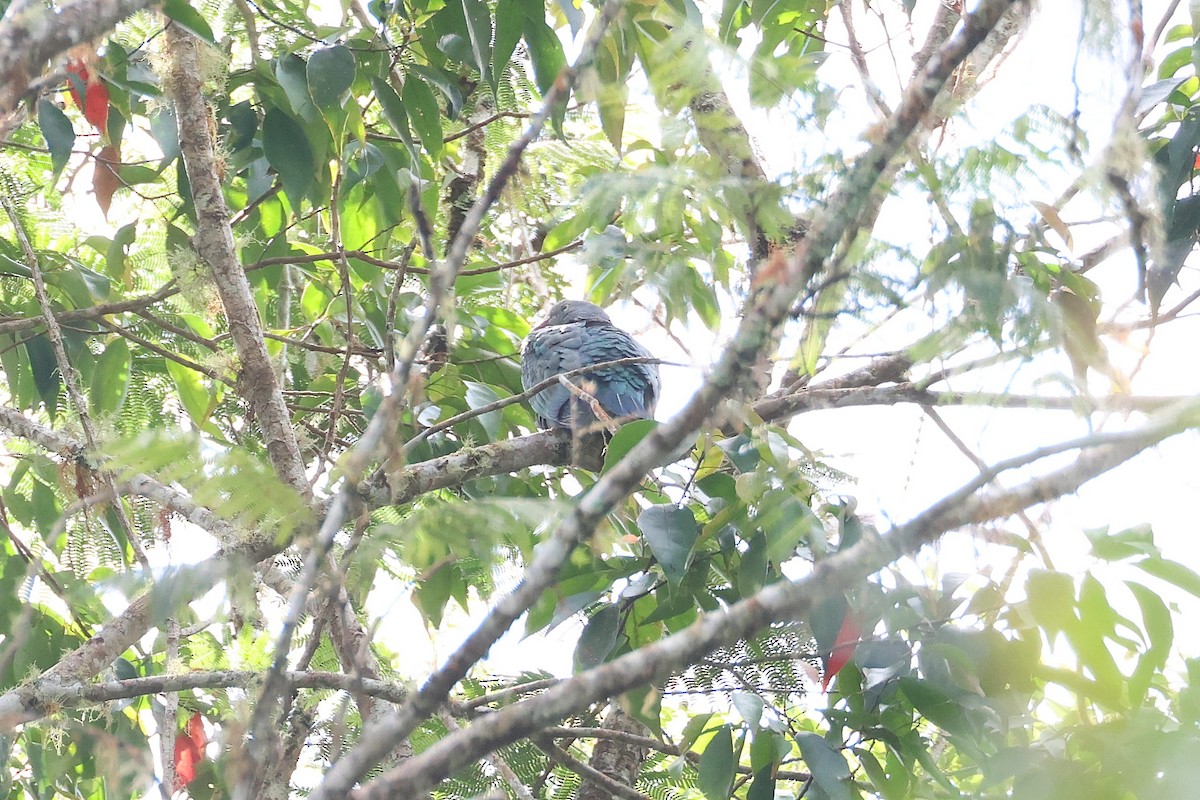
105 180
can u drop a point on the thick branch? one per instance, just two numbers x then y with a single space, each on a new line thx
786 600
33 34
775 290
39 699
214 242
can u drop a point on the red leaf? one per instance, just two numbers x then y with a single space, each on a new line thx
843 648
95 104
189 751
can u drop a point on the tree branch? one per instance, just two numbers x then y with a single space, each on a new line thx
775 289
214 242
35 33
784 600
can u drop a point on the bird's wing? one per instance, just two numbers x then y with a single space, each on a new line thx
550 351
625 391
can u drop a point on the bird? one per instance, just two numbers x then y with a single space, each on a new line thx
577 334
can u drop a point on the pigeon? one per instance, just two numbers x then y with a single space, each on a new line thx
575 334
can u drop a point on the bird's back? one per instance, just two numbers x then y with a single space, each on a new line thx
629 391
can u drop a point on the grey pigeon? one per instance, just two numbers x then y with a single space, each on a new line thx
575 334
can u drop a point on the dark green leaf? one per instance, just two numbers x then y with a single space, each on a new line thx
693 729
509 23
46 377
182 12
393 109
828 767
243 124
717 765
546 52
671 533
292 74
330 73
763 787
58 133
111 381
598 638
479 28
288 151
165 130
424 114
935 705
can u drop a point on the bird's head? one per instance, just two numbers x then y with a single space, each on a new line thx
569 311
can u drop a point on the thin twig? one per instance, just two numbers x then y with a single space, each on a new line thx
70 378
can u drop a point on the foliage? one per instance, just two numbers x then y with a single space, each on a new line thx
351 146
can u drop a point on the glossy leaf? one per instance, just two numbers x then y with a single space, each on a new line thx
827 765
671 533
598 638
46 376
192 391
288 151
424 115
717 766
58 133
479 28
330 73
184 14
625 439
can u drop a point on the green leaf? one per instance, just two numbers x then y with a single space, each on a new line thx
786 522
46 377
1172 572
292 74
58 133
192 391
752 573
508 32
717 765
393 109
330 73
693 729
480 394
598 638
892 784
479 28
625 439
546 53
110 384
181 12
1051 599
424 114
288 151
750 706
828 767
1156 618
671 533
763 787
243 124
935 705
1136 541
